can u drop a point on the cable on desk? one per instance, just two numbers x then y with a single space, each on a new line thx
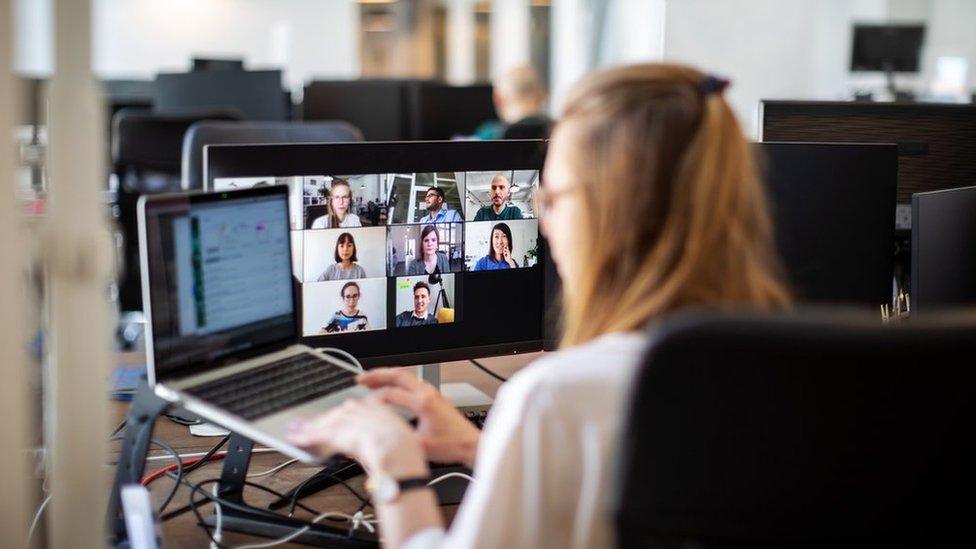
296 492
119 427
206 457
36 520
353 361
487 371
357 519
179 468
186 508
273 470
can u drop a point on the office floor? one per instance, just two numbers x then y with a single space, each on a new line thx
183 530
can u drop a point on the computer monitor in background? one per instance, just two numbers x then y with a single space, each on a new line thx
211 64
379 108
440 111
888 48
831 206
943 250
256 95
936 142
415 290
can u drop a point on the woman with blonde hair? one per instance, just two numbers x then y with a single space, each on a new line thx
651 205
339 208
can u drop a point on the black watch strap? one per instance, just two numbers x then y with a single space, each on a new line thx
411 483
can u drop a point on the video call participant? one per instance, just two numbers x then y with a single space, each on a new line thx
699 237
499 251
501 190
340 200
419 315
437 212
345 266
349 318
430 260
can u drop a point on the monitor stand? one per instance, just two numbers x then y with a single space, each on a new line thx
449 492
462 395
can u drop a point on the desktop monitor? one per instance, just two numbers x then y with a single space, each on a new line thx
889 48
441 111
213 64
936 142
943 249
831 206
256 95
383 277
377 107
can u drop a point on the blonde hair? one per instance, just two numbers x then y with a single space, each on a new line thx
333 219
675 214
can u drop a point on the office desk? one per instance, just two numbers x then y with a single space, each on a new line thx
183 530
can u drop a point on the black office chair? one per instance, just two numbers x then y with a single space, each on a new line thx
749 432
217 133
532 127
146 150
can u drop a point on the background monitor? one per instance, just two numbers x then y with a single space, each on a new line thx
377 107
887 47
943 249
256 95
936 142
441 111
831 207
471 306
213 64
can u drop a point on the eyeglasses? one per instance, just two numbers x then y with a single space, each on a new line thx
351 296
543 200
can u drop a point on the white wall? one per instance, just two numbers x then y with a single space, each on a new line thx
307 38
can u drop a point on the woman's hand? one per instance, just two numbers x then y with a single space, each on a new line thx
368 431
507 256
444 433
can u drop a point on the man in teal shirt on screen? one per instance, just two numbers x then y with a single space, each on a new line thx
501 190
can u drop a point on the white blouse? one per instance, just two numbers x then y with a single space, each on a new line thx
544 468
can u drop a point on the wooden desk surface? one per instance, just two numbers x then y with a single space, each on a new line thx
183 530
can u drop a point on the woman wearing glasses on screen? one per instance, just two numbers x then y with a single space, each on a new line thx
652 204
499 251
349 318
340 202
345 266
431 260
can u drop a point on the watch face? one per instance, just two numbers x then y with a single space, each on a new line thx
384 488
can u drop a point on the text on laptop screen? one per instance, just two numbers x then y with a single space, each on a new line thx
221 278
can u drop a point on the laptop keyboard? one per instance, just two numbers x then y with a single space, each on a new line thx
276 386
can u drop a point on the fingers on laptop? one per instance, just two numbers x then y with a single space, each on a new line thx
396 377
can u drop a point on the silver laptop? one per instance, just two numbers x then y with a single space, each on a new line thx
222 336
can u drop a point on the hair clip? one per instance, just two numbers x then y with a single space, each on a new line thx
712 84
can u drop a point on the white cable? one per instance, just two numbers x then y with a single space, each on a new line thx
449 475
303 529
219 521
36 520
354 362
163 457
273 470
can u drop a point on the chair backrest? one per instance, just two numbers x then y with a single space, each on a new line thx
146 151
801 431
219 133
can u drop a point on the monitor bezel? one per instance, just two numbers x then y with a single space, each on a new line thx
290 160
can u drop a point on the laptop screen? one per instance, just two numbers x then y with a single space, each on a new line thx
217 270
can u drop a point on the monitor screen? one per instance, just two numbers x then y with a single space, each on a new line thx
410 252
219 276
887 47
943 250
833 207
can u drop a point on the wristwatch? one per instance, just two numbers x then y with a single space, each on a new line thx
386 489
